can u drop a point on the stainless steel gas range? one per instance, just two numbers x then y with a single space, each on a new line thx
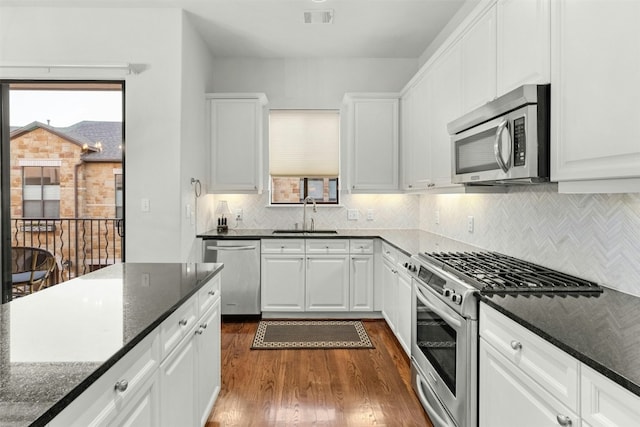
444 331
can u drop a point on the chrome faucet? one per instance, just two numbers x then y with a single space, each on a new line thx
304 210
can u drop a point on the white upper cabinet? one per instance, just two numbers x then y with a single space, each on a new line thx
373 133
414 137
523 43
444 105
478 50
595 123
236 135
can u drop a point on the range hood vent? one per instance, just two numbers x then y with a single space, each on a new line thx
318 16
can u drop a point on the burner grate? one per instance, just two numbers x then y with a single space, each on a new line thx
492 272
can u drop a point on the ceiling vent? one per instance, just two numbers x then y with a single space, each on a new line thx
318 16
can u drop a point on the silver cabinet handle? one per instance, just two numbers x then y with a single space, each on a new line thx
212 293
122 385
516 345
497 147
563 420
203 326
182 322
199 331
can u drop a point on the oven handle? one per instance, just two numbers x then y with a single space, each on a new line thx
497 146
448 318
432 412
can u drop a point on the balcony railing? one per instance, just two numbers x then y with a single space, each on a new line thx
80 245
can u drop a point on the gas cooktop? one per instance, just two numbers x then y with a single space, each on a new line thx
494 273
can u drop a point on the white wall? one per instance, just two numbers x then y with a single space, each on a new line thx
196 80
311 83
593 236
154 101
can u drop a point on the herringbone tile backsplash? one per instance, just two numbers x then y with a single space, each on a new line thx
592 236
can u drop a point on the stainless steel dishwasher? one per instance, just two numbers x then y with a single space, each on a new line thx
241 273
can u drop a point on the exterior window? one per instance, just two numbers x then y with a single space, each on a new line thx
304 147
41 192
119 205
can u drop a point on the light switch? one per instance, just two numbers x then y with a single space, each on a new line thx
369 214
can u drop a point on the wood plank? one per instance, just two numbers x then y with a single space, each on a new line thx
339 387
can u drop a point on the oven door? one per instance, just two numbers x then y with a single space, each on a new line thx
443 343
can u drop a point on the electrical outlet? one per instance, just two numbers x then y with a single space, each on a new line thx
187 211
238 214
369 214
145 205
437 217
353 214
470 224
146 280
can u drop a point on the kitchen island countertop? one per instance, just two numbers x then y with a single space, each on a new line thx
55 343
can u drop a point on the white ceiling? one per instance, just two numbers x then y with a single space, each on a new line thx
275 28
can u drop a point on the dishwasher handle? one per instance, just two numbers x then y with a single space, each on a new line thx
232 248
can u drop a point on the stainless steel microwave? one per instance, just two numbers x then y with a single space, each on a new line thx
504 141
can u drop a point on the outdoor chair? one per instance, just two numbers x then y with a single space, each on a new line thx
32 270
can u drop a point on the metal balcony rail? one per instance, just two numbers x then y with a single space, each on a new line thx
80 245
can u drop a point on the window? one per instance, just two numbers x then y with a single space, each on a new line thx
118 185
41 192
304 147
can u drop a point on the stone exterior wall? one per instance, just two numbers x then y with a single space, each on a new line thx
80 246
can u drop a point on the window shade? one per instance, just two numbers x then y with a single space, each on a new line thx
304 143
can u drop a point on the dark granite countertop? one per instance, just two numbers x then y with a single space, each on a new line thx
409 241
602 331
55 343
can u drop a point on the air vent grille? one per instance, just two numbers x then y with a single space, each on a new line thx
318 16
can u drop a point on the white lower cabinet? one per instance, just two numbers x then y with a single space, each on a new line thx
327 284
527 381
606 404
389 293
176 382
508 397
403 330
361 280
171 378
317 275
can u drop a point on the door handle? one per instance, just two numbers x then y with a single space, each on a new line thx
497 147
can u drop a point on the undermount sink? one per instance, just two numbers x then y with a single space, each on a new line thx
305 232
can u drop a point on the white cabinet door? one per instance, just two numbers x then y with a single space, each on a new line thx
403 332
390 293
508 397
236 135
178 397
143 410
606 404
373 139
361 283
327 283
595 124
444 106
523 43
208 362
415 137
282 283
478 50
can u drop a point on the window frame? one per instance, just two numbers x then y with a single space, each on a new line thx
42 200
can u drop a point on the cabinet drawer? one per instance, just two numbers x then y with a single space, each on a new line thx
101 402
283 246
389 252
361 246
209 294
553 369
605 403
327 246
178 325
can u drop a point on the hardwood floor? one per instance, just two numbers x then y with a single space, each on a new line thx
359 387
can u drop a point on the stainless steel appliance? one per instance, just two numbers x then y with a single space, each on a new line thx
240 287
504 141
444 324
